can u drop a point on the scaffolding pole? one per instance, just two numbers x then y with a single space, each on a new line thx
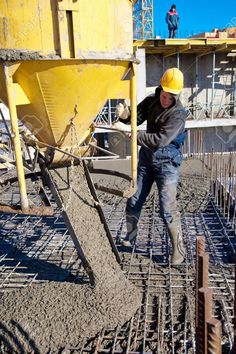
213 83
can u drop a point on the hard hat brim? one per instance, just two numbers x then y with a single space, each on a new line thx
174 92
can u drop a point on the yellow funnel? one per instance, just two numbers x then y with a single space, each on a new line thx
89 44
55 92
60 61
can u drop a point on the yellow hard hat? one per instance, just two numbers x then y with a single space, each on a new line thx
172 81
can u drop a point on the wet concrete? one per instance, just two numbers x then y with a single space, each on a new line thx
51 316
56 315
194 186
17 54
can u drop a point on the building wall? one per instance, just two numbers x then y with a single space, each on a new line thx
198 93
141 74
207 139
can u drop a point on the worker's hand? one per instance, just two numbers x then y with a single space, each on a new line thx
122 111
121 127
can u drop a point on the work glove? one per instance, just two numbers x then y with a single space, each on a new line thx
122 111
121 127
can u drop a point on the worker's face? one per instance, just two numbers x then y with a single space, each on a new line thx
166 99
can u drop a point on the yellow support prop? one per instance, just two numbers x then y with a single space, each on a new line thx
134 147
16 136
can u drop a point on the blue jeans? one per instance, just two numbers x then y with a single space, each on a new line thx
166 176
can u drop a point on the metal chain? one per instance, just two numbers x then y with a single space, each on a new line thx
74 140
74 144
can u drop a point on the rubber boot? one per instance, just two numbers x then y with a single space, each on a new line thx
175 233
132 230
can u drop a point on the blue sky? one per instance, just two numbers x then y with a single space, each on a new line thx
195 16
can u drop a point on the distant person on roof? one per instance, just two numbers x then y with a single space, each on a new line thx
172 19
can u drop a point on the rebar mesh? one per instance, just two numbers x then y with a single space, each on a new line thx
38 249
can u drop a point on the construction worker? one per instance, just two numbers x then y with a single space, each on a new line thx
159 157
172 19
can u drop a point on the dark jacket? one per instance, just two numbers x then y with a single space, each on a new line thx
172 19
165 132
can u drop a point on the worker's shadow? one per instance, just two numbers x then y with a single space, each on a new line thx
41 269
15 339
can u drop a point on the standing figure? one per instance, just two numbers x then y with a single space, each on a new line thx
159 158
172 19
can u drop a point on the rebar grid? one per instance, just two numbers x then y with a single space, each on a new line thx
35 248
40 249
175 289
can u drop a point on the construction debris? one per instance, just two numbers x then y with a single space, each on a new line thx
218 33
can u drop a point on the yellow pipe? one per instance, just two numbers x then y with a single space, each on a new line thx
16 138
133 106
